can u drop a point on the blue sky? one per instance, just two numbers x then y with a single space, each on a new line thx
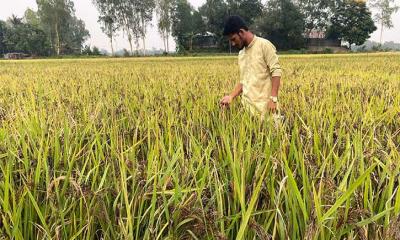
87 12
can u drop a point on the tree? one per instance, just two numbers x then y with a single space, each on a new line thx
317 13
86 50
109 26
54 15
187 22
164 13
385 9
3 32
181 26
133 16
57 18
31 17
43 33
23 37
283 24
145 11
215 13
249 10
108 18
76 36
14 20
351 22
129 20
96 51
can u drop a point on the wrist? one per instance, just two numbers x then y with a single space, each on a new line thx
274 99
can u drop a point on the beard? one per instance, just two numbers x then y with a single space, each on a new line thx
242 45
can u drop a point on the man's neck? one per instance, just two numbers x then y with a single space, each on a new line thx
249 38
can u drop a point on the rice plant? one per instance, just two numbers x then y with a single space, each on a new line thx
139 149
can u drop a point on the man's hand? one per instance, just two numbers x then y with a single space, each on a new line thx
225 101
271 106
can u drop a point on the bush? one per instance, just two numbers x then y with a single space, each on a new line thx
328 50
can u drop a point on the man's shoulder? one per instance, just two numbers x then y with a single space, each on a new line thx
264 41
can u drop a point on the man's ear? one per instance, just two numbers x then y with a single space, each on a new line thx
242 33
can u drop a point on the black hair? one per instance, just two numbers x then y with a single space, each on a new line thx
233 25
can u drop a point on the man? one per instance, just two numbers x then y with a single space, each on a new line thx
260 72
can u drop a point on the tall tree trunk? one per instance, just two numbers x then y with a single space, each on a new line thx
111 39
137 47
52 42
381 33
167 41
57 40
130 42
144 46
143 37
112 47
191 43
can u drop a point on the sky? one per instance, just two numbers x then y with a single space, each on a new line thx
88 13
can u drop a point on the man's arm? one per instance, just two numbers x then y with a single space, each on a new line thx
276 72
227 100
237 91
276 82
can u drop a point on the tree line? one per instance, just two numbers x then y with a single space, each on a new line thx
51 30
287 23
54 29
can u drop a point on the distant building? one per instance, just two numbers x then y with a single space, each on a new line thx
15 55
205 40
322 42
316 41
315 34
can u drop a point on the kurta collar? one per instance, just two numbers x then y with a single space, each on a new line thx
252 42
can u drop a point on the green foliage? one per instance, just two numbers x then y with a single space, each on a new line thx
164 10
317 13
108 18
65 32
54 29
87 50
215 12
96 51
351 22
385 8
249 10
31 17
3 33
186 23
76 36
18 36
328 50
282 24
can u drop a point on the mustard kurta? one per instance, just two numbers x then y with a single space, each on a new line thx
258 63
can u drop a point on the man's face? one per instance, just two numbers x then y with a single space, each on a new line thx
236 40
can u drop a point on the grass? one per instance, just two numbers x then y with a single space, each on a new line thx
139 149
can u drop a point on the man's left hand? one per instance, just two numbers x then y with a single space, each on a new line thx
271 106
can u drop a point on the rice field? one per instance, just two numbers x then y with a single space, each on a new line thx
139 149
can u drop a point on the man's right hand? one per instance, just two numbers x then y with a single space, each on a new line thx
226 101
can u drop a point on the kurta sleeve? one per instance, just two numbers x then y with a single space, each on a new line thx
272 60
